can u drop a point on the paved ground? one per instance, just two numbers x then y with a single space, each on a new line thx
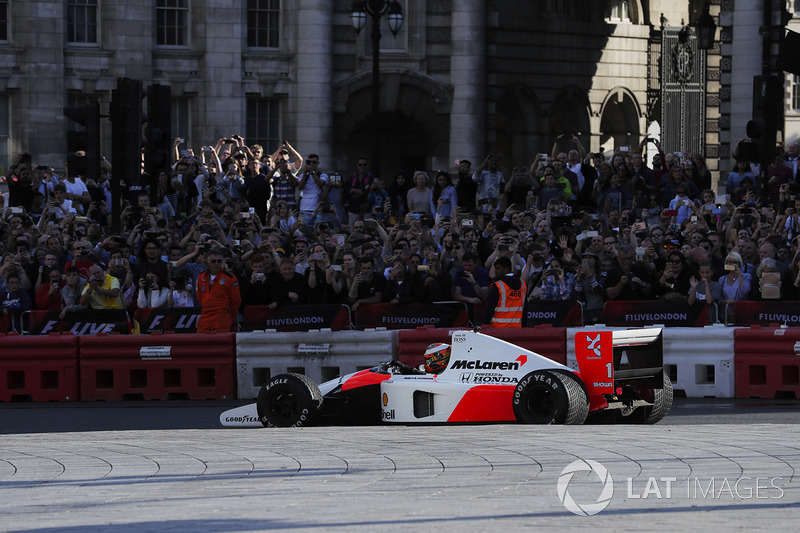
401 478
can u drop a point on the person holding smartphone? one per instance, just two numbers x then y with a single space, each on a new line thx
735 283
48 296
491 182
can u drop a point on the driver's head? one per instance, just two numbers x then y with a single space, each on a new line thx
437 356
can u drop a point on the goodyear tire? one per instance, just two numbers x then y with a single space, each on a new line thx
547 397
662 402
289 400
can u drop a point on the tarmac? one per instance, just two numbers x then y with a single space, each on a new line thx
389 478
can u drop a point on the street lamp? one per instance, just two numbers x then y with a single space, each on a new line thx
376 9
706 31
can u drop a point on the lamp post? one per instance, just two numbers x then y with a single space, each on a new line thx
376 9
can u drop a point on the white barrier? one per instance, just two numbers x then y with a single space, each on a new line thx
320 354
699 361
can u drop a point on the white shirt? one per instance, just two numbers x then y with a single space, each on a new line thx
76 188
311 193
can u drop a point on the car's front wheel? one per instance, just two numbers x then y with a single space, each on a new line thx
548 397
289 400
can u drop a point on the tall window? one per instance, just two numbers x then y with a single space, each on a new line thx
619 11
82 21
3 20
263 18
263 122
795 93
180 120
171 17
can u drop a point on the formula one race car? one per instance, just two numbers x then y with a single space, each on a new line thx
481 379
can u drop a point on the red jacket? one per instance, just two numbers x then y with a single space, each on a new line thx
219 301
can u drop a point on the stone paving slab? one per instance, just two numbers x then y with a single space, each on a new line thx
466 478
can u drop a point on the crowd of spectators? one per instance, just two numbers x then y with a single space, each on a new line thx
575 226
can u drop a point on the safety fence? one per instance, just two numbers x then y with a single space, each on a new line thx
448 314
713 361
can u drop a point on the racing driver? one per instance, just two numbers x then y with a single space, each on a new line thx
437 356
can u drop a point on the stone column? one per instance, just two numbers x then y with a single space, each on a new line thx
314 87
468 76
36 108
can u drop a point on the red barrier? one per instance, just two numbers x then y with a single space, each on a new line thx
545 340
158 366
40 369
767 363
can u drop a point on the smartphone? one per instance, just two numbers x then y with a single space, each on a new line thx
245 215
423 268
694 218
594 216
623 148
235 242
173 264
640 253
592 233
336 268
467 223
316 257
721 199
730 267
403 227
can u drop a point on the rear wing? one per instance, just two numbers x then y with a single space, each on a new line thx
606 358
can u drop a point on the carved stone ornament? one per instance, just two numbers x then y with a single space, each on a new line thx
683 61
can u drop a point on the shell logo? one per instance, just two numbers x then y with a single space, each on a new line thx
385 399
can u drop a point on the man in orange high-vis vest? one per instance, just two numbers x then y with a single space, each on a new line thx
506 297
219 297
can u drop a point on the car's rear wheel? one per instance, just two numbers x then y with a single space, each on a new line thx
547 397
289 400
662 402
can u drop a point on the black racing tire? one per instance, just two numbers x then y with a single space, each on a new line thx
662 402
548 397
289 400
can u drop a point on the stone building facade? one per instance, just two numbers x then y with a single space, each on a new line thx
463 77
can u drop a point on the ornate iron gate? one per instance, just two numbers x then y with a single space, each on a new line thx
683 74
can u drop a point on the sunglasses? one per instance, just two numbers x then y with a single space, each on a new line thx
215 260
